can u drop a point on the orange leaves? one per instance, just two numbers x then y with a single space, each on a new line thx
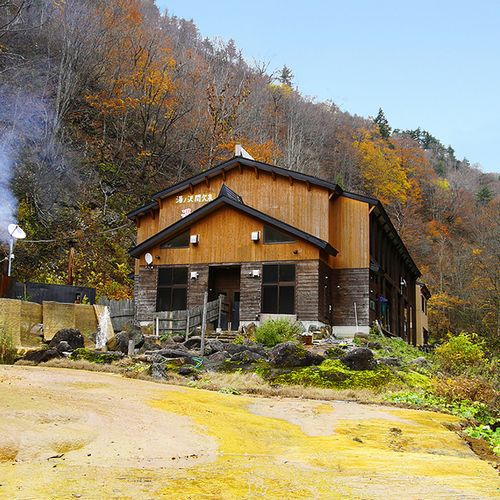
437 230
266 152
381 168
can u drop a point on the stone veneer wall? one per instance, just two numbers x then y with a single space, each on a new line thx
197 287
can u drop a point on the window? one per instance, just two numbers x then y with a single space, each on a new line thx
424 305
273 235
172 289
179 241
278 289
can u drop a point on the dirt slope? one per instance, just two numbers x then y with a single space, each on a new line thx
76 434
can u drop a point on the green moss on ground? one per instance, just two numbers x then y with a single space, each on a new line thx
94 356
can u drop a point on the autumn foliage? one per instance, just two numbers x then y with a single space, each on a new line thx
129 100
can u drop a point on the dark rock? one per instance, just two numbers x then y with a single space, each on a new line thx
360 358
178 339
389 361
42 355
420 361
158 366
361 335
70 335
246 357
218 357
374 345
192 343
120 341
64 347
234 348
215 345
172 353
185 370
150 346
95 356
289 354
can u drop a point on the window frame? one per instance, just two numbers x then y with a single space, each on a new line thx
171 286
269 226
167 245
278 284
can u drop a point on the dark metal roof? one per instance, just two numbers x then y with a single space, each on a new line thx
225 191
236 203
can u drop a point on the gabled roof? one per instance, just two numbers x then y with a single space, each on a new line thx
283 172
226 166
229 198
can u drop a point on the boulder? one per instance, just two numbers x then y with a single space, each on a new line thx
63 346
172 353
192 343
120 341
96 356
218 357
215 345
361 335
70 335
374 345
42 355
360 358
420 361
246 357
150 346
389 361
289 354
234 348
186 371
178 339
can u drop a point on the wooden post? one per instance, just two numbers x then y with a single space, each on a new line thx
204 323
131 347
71 263
221 297
356 316
187 323
157 327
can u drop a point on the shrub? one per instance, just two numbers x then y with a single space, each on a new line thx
471 388
460 353
491 436
470 410
276 331
7 349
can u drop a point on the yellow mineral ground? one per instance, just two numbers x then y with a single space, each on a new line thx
76 434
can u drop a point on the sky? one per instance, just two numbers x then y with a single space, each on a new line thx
429 64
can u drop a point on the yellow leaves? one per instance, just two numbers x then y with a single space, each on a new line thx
477 251
442 184
381 168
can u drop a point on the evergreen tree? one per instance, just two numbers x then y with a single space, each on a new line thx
383 124
286 76
484 196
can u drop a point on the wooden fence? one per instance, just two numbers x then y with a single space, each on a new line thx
186 321
122 312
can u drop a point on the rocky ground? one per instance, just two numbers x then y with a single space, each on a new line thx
77 434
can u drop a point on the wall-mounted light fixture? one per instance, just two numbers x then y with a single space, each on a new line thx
255 236
149 260
194 275
194 239
255 273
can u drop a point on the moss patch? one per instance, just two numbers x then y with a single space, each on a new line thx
94 356
333 374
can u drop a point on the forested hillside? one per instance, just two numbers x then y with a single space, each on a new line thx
103 102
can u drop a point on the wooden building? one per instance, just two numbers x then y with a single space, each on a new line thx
276 243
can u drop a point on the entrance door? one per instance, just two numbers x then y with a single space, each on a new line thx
225 280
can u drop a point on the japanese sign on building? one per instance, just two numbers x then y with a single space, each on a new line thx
194 198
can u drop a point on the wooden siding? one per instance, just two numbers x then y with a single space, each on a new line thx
307 290
294 202
349 233
145 293
197 287
349 286
250 292
225 238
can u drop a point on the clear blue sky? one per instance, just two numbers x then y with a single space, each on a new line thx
433 64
